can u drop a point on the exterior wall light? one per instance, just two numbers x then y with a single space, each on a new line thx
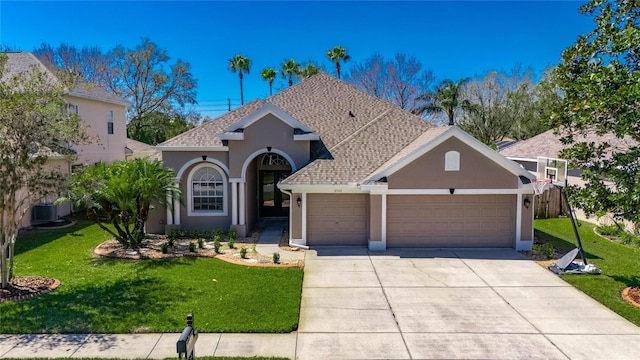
268 148
526 202
204 157
299 201
452 190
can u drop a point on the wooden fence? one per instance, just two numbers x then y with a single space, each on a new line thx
550 204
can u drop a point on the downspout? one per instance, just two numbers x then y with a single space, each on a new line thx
290 193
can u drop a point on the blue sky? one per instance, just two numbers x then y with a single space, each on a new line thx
454 39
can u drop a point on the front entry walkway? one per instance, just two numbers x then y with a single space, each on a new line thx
270 237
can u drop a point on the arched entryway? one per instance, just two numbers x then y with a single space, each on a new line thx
272 168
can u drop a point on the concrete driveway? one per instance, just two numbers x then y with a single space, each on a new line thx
450 304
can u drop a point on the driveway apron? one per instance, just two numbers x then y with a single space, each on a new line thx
450 304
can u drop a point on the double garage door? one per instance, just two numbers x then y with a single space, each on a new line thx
451 221
414 220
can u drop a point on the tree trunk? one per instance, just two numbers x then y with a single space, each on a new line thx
3 266
270 87
241 90
338 69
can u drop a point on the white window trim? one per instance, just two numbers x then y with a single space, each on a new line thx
452 161
110 121
225 195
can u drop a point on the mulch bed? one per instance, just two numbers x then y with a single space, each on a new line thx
152 249
632 295
26 287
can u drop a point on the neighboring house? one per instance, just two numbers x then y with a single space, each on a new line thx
136 149
548 144
103 114
345 168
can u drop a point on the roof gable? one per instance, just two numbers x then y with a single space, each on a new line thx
21 62
265 110
428 142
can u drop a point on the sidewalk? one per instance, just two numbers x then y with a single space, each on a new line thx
144 346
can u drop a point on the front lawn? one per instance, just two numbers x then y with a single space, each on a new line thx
102 295
620 265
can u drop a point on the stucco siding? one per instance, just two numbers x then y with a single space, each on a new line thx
476 171
375 218
175 160
251 195
266 132
103 146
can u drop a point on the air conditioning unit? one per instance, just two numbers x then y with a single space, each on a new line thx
44 213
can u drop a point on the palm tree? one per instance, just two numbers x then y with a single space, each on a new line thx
445 98
338 54
241 65
310 70
269 74
290 69
122 194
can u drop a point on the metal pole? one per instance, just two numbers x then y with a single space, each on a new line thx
575 228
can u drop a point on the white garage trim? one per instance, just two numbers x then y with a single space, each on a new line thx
382 244
456 191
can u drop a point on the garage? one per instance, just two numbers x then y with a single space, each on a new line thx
451 220
337 219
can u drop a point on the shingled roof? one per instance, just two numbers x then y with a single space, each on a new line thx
548 144
22 62
361 132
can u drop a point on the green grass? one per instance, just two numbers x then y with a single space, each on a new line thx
100 295
620 264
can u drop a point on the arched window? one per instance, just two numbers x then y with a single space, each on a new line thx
206 188
452 161
273 159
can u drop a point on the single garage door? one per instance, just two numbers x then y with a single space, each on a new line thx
451 220
337 219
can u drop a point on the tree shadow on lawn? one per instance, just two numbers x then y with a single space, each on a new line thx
629 281
123 306
144 264
563 245
32 239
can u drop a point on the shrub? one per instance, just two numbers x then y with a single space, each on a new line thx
232 234
243 252
192 247
171 242
217 232
548 251
612 229
231 242
216 245
276 258
164 247
194 234
545 250
627 238
201 243
174 234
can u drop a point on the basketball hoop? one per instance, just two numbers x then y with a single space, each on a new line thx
539 185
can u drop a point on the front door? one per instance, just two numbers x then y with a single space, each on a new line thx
273 202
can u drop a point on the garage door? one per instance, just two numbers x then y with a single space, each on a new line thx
451 221
337 219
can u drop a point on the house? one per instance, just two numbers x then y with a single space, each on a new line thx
102 113
136 149
548 145
345 168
